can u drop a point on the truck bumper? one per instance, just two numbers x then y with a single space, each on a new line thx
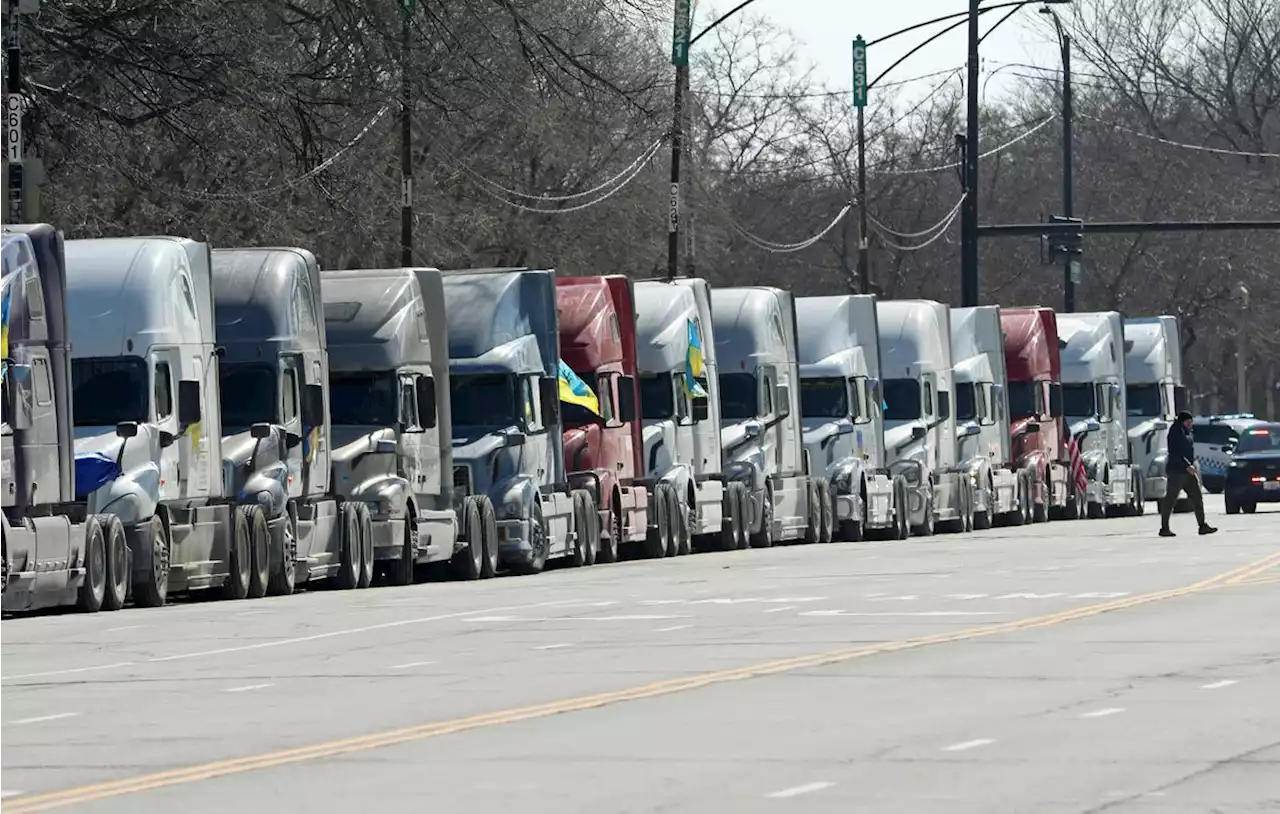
513 541
1155 487
388 538
141 545
846 507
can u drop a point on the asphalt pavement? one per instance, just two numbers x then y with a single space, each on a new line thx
1065 667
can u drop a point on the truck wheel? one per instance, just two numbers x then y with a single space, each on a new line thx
153 589
764 537
117 548
1232 507
655 540
348 576
901 510
678 543
366 545
259 550
469 561
581 544
94 587
489 525
827 511
929 524
284 572
982 519
610 546
731 518
969 501
239 560
1139 496
593 529
812 529
400 571
1039 511
539 542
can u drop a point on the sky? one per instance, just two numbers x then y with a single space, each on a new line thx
824 31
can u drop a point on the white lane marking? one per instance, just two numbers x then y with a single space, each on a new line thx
907 598
68 672
42 718
250 613
1102 713
966 745
899 613
662 601
796 791
344 632
248 687
673 627
122 627
552 646
493 619
580 603
795 599
1030 596
781 609
966 596
410 664
1217 685
11 793
635 617
1100 595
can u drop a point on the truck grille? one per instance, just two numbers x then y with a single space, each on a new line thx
462 478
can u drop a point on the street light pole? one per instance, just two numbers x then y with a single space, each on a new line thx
406 136
1064 41
969 213
677 147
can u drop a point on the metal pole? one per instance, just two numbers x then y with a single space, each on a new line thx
969 220
14 80
406 135
1242 372
864 261
1068 284
677 147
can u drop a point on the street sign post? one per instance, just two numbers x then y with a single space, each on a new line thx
681 34
859 72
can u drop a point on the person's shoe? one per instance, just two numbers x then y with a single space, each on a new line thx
1207 529
1168 533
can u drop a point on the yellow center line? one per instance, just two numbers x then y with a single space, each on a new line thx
378 740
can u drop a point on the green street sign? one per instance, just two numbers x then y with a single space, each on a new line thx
859 73
1076 276
409 6
680 37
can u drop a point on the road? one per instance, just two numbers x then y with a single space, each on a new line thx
1066 667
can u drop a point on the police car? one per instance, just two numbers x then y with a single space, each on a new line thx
1216 438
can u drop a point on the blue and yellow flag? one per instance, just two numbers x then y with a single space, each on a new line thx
4 322
574 390
693 363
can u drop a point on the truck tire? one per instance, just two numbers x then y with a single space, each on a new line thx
348 576
94 587
678 527
826 512
982 519
284 570
1139 495
611 544
366 545
732 520
259 548
468 562
239 560
539 542
764 537
957 525
658 534
152 590
489 525
812 529
578 559
118 562
593 529
400 571
1040 511
928 525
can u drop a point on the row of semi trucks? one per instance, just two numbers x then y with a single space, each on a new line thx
178 418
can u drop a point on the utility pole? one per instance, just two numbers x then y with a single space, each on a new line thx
969 212
13 112
1070 266
860 102
406 136
679 58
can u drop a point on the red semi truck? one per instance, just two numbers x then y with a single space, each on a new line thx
598 342
1035 408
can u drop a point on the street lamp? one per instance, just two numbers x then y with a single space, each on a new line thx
1064 43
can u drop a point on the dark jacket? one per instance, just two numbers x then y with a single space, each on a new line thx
1182 450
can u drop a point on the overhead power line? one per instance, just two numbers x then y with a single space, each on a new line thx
621 182
1183 145
940 228
994 150
641 159
783 248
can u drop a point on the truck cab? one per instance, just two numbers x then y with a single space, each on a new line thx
504 358
392 428
920 423
839 355
1001 490
1034 368
1095 403
1153 374
680 411
597 318
761 436
144 392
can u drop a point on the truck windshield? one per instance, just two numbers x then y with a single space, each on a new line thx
248 395
483 399
107 391
738 396
1260 439
657 400
827 397
1143 400
364 399
1022 399
902 399
966 401
1077 400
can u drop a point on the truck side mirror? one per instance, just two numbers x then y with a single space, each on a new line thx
18 407
189 407
918 433
426 394
1032 426
1181 398
127 429
944 405
1055 400
260 431
701 410
313 405
782 400
626 399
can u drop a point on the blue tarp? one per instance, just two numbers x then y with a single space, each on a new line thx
93 471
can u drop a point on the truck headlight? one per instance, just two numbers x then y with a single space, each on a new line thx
512 509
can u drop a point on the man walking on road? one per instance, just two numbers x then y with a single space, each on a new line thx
1183 476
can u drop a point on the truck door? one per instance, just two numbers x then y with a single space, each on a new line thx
412 435
316 442
770 439
291 421
174 464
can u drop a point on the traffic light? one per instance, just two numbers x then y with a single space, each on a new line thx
1067 238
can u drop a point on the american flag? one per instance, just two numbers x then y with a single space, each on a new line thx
1077 465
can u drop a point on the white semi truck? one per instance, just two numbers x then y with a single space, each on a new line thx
839 354
920 422
1153 375
755 336
1001 492
681 427
1095 405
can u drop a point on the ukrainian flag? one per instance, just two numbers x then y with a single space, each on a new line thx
574 390
4 321
693 363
